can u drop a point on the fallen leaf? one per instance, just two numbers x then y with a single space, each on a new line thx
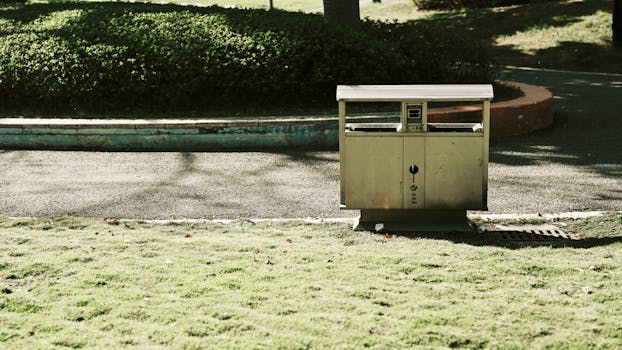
112 222
187 235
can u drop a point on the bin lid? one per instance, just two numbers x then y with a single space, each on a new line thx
444 92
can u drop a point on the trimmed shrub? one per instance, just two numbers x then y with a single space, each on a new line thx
113 56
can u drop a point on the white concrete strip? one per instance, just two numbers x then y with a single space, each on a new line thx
349 220
486 217
182 123
152 123
254 220
549 216
563 71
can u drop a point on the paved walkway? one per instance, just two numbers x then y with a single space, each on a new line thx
574 166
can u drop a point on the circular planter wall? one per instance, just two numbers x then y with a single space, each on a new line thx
521 115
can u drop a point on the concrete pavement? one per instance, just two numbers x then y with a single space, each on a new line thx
576 165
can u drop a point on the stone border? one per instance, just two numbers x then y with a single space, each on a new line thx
518 116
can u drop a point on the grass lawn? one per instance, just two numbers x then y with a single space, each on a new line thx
84 283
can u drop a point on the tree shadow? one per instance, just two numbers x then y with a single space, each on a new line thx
496 239
476 23
580 56
595 146
519 17
276 187
585 132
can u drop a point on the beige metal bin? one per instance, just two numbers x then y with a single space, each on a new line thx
414 173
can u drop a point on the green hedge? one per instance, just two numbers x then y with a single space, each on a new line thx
114 56
459 4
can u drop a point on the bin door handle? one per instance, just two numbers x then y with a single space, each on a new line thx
413 169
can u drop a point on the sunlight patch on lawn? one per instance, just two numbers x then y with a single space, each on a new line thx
591 29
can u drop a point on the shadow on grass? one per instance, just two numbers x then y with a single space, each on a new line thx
496 239
486 25
580 56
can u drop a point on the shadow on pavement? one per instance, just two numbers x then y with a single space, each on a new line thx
586 131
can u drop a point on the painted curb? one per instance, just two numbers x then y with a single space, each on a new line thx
522 115
161 138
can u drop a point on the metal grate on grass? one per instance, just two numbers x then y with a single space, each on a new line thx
531 233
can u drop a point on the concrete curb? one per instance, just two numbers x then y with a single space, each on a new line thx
169 137
525 114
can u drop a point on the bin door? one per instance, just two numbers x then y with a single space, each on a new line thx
455 172
373 172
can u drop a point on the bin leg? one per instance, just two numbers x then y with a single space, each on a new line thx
409 220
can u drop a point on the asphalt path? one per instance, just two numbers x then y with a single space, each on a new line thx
576 165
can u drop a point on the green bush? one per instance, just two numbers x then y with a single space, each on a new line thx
459 4
113 56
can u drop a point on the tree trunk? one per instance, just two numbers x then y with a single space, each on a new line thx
617 23
345 12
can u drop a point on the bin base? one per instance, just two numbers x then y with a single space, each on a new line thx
409 220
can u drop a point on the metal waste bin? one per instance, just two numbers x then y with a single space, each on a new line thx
413 174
